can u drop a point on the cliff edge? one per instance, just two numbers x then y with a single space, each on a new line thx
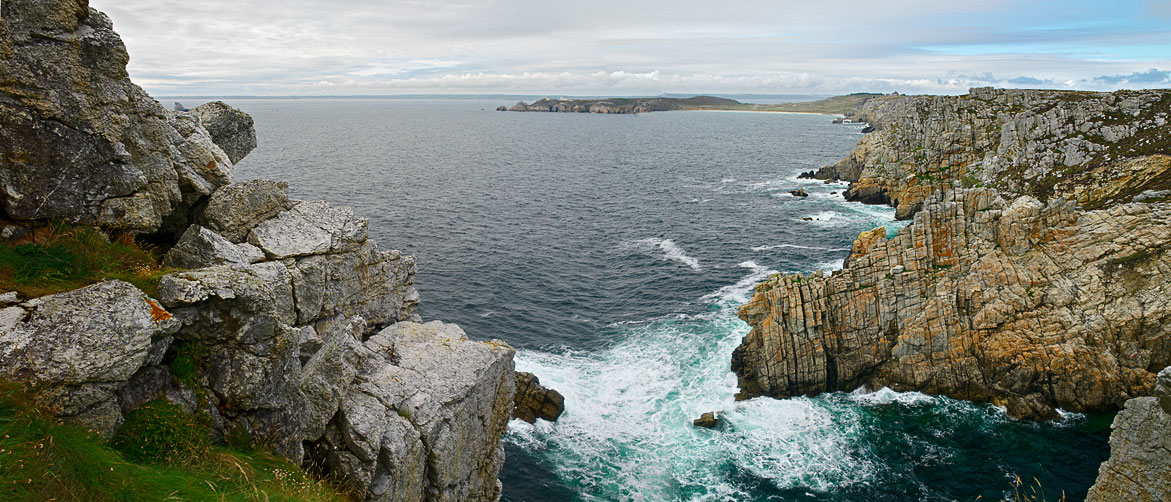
1095 148
288 326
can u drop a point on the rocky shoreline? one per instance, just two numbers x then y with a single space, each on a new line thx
1035 273
287 326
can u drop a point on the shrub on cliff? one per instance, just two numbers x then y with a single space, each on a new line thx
162 454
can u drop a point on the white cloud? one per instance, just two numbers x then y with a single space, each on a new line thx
613 46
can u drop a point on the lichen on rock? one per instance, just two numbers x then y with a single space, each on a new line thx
1025 304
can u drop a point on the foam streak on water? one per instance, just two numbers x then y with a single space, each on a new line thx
670 251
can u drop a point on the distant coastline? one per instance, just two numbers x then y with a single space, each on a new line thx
836 105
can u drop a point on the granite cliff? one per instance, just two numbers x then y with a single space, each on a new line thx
1095 148
1026 304
1035 273
288 326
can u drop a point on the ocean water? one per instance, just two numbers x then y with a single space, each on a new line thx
613 252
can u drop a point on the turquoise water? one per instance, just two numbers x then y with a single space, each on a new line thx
613 252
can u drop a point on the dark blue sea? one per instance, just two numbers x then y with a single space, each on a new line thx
613 252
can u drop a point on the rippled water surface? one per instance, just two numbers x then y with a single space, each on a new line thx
613 252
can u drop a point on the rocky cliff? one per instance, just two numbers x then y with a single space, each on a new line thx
81 143
288 327
1139 469
1095 148
1018 302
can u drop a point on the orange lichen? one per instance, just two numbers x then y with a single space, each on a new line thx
157 312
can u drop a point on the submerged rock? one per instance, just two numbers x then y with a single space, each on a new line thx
708 420
534 400
799 193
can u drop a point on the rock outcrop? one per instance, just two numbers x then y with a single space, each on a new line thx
79 350
289 326
81 143
230 129
261 310
621 105
1026 304
534 400
1139 468
424 407
1095 148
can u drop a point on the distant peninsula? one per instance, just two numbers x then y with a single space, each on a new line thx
836 105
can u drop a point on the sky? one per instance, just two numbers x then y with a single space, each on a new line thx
639 47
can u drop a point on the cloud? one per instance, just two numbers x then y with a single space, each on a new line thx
1151 76
618 46
1022 80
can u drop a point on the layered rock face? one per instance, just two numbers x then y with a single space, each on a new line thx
78 141
1138 468
1027 304
1094 148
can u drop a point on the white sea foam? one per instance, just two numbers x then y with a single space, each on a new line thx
670 251
738 293
830 266
626 433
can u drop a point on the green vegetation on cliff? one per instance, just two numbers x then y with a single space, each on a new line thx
60 258
160 454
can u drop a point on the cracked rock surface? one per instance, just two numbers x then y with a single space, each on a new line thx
1096 148
1026 304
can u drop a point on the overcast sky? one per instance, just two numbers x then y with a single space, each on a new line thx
633 47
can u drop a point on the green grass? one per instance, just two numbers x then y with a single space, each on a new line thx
1130 258
59 258
160 454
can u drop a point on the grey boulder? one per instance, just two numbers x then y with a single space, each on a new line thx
230 128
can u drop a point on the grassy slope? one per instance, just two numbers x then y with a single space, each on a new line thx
161 454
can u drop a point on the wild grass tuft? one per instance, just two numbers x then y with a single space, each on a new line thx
161 454
59 258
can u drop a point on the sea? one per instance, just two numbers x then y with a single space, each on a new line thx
613 252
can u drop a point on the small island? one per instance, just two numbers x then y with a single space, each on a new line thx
836 105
